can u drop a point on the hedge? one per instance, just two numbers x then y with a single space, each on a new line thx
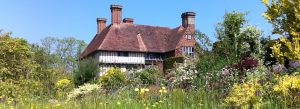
169 62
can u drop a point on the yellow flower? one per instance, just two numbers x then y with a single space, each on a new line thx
136 89
142 91
160 91
163 90
118 103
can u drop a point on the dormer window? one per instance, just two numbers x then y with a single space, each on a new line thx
188 36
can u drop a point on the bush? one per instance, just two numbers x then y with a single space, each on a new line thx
62 86
83 90
287 89
169 62
183 76
245 95
20 90
86 72
148 76
112 79
15 58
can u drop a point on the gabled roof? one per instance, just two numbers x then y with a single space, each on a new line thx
135 38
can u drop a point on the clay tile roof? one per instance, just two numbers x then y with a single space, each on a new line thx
135 38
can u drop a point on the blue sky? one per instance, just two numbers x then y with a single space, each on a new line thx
36 19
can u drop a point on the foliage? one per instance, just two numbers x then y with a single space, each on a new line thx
15 58
86 72
63 52
21 89
230 27
284 15
209 66
203 41
235 38
62 86
288 89
148 76
169 62
246 95
248 40
286 49
112 79
83 90
184 75
268 59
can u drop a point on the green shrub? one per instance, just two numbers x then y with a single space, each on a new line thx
112 79
87 71
184 77
62 86
169 62
148 76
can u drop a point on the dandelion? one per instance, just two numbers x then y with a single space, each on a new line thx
142 91
136 89
118 103
163 90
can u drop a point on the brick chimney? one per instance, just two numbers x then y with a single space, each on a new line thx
116 14
101 24
188 19
128 20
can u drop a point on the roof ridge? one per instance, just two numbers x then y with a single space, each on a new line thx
154 26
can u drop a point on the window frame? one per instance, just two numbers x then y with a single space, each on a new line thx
188 50
188 37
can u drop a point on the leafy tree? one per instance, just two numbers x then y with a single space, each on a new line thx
63 52
227 32
15 57
203 41
284 15
248 41
231 26
235 37
86 72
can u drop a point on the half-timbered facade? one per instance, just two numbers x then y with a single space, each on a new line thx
131 46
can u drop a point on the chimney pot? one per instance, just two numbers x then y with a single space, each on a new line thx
188 19
101 24
128 20
116 14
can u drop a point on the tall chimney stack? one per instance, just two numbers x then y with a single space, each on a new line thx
101 24
188 19
116 14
